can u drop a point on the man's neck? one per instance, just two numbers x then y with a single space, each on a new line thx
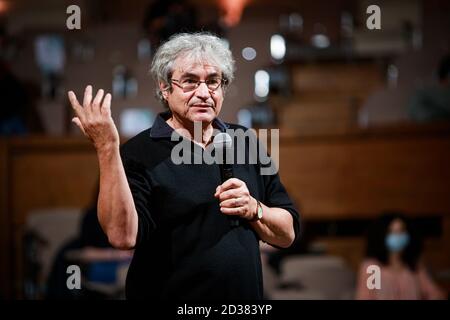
188 130
395 261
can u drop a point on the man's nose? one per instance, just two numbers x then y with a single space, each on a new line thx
202 91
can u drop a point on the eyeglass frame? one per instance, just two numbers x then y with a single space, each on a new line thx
223 82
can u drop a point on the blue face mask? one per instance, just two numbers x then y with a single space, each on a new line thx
396 242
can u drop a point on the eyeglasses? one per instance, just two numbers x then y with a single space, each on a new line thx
189 84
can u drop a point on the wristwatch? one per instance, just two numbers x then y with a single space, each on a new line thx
259 212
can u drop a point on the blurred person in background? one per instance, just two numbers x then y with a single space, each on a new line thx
432 103
301 247
14 103
98 261
18 113
164 18
394 246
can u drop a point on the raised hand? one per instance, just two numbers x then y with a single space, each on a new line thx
94 119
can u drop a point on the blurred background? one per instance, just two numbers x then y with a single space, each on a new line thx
364 119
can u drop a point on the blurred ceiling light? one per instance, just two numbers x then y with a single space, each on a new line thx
232 10
135 120
320 41
346 24
295 22
245 118
277 47
292 22
249 53
392 76
262 80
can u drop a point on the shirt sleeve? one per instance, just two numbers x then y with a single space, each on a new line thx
275 194
141 191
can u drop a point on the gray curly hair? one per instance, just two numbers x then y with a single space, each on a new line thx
200 47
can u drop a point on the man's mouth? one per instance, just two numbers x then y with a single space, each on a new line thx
201 106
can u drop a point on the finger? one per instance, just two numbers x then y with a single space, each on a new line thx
97 100
87 97
231 183
232 203
230 194
77 108
217 193
77 121
106 106
233 211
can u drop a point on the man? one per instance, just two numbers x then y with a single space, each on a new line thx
176 215
432 103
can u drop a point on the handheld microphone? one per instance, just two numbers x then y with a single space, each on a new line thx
223 147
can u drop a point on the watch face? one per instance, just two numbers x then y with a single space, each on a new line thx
260 212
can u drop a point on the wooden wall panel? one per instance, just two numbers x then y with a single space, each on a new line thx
353 177
319 116
41 173
327 96
342 79
52 179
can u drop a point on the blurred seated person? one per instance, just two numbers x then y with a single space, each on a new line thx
164 18
301 246
18 114
14 103
395 248
432 103
92 252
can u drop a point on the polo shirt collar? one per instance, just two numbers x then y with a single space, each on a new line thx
160 128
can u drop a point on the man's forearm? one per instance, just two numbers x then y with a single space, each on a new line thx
276 227
116 210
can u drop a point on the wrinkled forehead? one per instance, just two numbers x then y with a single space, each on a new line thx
195 65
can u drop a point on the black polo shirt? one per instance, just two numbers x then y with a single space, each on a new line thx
186 248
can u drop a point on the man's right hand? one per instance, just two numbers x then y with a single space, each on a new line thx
116 210
94 119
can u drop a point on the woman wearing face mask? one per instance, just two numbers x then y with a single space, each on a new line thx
394 247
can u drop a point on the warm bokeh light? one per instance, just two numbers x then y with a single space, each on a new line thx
232 10
4 6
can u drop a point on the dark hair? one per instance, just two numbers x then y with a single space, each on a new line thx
444 68
376 247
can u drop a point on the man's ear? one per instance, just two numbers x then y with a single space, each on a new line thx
164 89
